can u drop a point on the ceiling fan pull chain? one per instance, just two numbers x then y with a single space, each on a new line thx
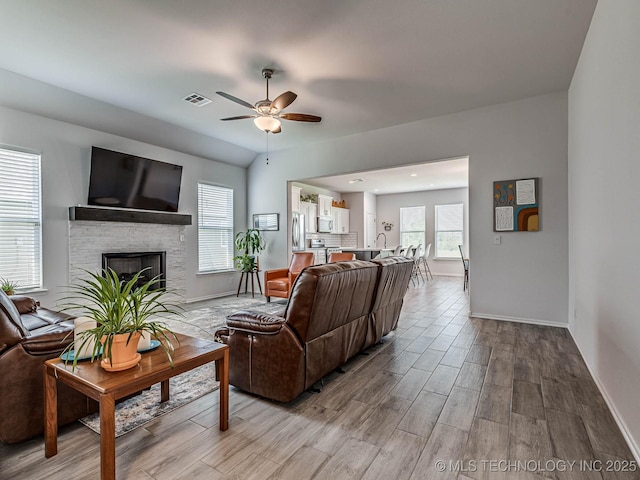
267 134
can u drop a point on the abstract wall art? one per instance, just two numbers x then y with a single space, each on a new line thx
516 205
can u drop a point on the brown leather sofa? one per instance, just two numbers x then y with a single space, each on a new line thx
332 314
29 335
278 282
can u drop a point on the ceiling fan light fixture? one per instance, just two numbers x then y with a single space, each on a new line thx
267 124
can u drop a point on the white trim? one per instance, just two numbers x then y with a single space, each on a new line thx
532 321
210 297
635 449
217 272
447 259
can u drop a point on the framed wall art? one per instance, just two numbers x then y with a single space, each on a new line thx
266 221
516 205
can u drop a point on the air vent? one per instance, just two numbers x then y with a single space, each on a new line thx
197 99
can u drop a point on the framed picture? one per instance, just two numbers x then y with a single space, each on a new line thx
266 221
516 205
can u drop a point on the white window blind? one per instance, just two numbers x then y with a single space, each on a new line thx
215 228
412 226
20 219
449 230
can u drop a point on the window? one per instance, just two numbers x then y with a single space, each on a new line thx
215 228
20 219
412 226
449 230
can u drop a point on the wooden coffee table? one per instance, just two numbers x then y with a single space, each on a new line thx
107 387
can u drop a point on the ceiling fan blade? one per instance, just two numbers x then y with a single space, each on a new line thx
277 130
284 100
300 117
235 99
238 118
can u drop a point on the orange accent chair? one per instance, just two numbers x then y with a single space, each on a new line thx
278 283
341 257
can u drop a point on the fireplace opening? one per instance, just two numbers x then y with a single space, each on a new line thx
126 265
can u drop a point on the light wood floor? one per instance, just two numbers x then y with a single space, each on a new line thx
442 387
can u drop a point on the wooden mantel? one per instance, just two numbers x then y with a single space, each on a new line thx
102 214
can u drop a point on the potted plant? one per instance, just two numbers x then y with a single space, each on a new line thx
8 286
249 242
122 311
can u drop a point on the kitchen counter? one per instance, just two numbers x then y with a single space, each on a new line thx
367 253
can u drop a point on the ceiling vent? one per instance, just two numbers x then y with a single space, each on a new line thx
197 99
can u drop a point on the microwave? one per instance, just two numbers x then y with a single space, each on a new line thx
325 224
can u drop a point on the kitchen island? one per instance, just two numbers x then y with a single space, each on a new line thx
368 253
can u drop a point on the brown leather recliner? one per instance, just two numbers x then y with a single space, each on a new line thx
394 274
29 335
327 321
278 283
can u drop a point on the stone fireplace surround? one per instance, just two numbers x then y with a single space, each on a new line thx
88 240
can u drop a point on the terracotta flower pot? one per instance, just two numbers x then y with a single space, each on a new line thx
123 355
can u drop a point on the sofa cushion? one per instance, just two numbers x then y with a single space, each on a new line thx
24 304
279 284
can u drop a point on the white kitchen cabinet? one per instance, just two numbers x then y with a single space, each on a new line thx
310 212
295 199
324 205
340 220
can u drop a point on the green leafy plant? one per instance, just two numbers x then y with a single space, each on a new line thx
249 242
8 286
120 308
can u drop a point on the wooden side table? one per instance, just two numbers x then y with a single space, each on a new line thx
245 276
107 387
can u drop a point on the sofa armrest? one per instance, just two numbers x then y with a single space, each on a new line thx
255 322
24 304
271 274
51 340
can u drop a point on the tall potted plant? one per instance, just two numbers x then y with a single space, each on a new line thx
122 311
251 243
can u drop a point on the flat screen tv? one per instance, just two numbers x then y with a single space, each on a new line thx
123 180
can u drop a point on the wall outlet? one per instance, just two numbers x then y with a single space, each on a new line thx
497 239
182 237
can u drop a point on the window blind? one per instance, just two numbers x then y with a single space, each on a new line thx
215 228
449 229
412 226
20 219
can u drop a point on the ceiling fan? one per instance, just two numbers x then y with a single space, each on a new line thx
269 113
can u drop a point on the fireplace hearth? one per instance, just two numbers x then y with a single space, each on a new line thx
126 265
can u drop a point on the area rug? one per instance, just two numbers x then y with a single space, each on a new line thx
141 409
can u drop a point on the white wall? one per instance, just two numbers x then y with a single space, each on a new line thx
525 277
389 211
355 204
604 141
66 152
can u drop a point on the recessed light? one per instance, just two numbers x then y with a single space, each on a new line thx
432 185
414 174
356 180
376 189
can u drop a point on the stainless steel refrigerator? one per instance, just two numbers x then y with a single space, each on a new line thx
298 243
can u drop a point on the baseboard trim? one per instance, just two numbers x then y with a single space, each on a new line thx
210 297
533 321
635 450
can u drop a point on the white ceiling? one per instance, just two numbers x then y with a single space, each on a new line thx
410 178
360 64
